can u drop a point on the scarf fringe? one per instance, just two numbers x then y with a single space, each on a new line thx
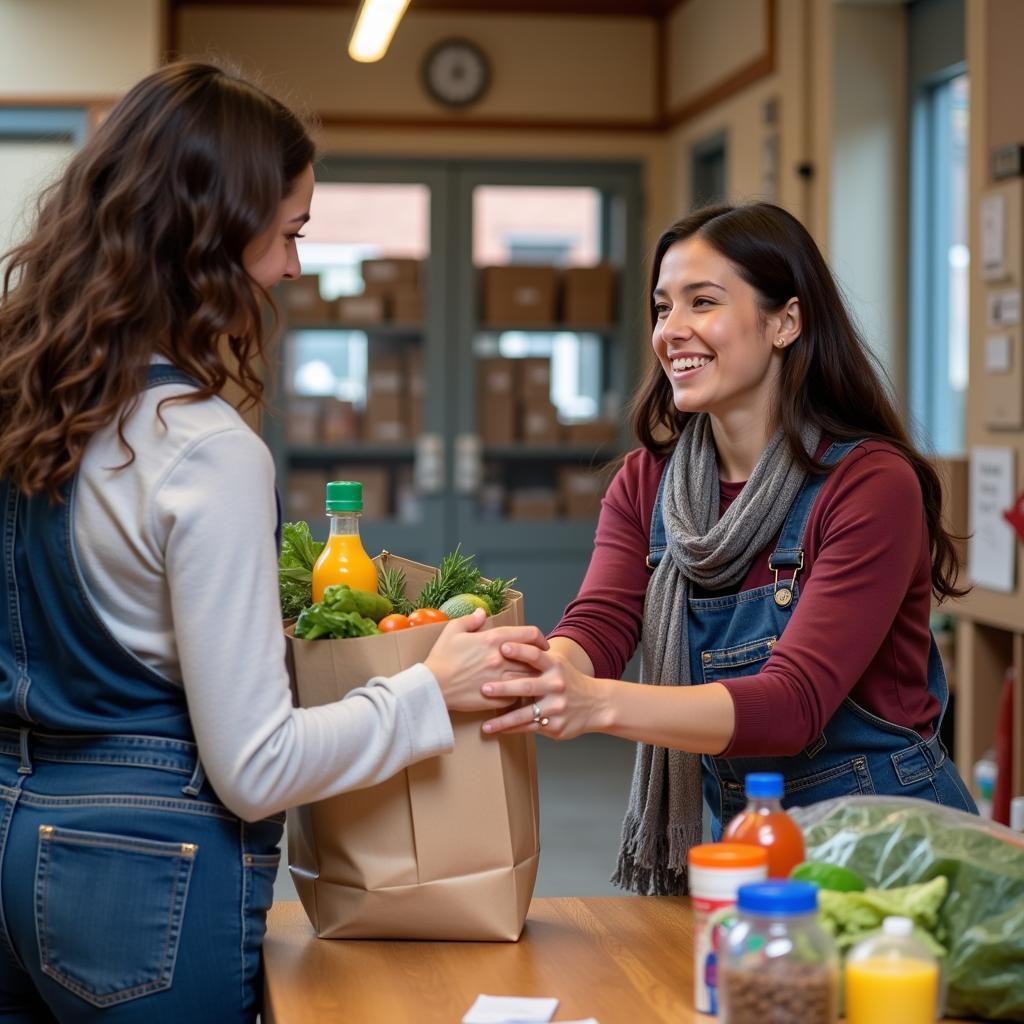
654 863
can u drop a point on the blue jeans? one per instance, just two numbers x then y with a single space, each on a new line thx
129 892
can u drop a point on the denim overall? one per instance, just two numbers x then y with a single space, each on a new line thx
128 892
857 752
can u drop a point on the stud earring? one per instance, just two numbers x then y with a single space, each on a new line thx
780 343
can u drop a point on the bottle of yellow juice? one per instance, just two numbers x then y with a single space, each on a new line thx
892 978
343 559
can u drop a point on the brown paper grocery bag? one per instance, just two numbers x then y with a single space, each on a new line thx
447 848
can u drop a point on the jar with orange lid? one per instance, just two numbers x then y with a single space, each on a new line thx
716 871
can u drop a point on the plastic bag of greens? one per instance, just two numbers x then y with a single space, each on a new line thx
896 841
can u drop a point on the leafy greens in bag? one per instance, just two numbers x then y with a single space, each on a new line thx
299 551
893 842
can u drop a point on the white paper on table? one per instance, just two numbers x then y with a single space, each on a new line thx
510 1010
991 551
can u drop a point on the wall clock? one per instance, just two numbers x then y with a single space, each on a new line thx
456 72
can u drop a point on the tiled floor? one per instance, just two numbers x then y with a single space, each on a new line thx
583 788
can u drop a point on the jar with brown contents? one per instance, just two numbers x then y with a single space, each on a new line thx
778 966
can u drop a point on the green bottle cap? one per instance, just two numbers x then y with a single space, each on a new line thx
344 496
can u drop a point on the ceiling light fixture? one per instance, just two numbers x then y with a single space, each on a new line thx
375 25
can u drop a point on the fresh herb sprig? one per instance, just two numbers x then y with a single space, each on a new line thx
457 574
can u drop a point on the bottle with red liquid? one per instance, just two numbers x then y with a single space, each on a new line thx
763 822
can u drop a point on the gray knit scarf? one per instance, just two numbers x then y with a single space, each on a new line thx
663 818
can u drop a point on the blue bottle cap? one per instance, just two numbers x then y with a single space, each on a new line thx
781 897
767 785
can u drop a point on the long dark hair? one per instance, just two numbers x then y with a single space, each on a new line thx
829 378
136 251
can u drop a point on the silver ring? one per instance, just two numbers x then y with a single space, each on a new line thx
536 713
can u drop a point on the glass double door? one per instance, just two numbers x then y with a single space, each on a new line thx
463 340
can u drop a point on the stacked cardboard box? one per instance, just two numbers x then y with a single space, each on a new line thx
588 295
303 420
303 302
533 503
384 419
519 294
580 492
543 295
397 283
539 417
339 422
361 309
376 481
497 401
304 496
415 389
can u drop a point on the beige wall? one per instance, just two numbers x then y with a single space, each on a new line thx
544 67
72 48
867 242
740 116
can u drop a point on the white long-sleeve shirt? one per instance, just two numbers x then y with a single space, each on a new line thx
177 552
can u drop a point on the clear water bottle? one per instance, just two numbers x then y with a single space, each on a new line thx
777 963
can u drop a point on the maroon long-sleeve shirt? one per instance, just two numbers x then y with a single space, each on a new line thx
859 629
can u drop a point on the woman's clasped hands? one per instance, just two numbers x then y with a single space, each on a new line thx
563 701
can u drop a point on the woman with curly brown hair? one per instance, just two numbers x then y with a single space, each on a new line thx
777 539
148 742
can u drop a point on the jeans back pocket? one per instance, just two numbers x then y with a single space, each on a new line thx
109 910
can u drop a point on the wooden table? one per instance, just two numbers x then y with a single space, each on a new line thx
621 959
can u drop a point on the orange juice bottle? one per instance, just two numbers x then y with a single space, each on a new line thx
891 978
763 822
343 559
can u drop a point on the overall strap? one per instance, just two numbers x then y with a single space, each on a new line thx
164 373
658 540
789 552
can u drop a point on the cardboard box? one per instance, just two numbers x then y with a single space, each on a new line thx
305 494
533 503
588 295
303 420
385 418
386 374
539 424
533 380
339 421
497 420
303 302
384 275
416 385
580 492
496 378
361 309
406 305
517 294
376 481
591 432
446 849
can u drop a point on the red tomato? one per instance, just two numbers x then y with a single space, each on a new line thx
392 623
425 616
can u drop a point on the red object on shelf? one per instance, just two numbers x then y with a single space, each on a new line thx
1014 515
1004 753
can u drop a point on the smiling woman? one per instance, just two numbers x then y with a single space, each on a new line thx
773 546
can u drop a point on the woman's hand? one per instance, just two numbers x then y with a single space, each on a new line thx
464 658
570 701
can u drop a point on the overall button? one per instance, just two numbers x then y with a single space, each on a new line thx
784 597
